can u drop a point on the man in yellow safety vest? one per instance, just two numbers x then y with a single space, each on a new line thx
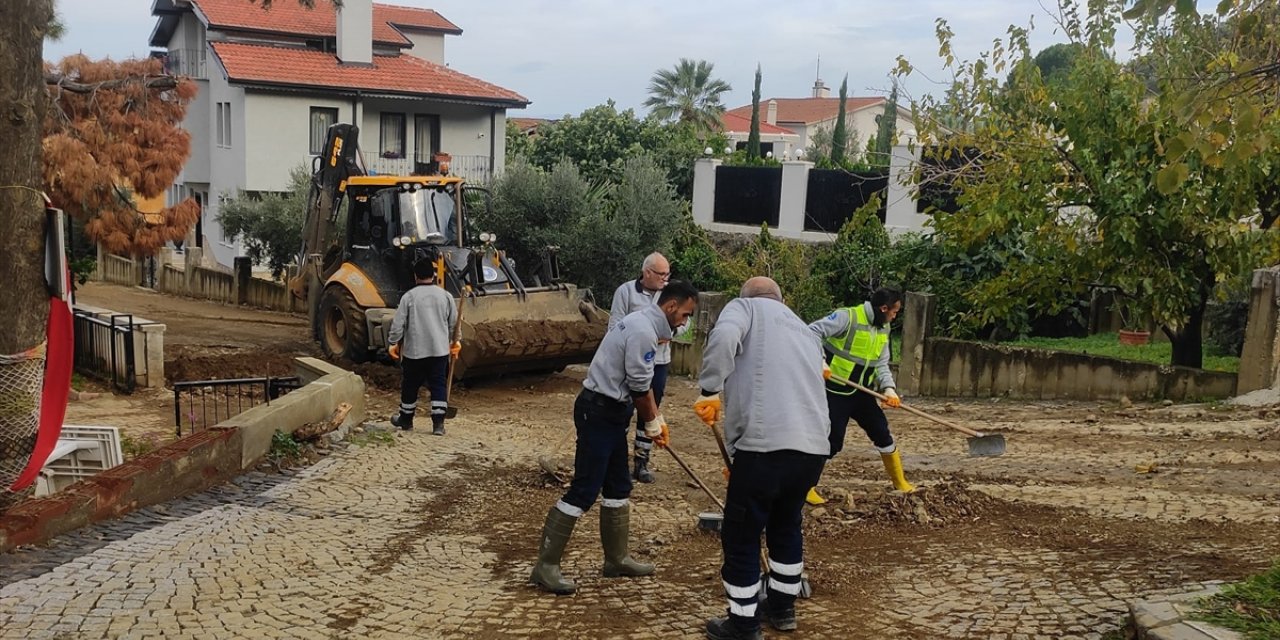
856 341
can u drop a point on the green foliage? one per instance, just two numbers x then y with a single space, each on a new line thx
1251 607
604 229
1097 181
694 258
790 264
283 446
1108 345
133 447
270 223
1227 319
839 134
688 94
373 438
753 137
518 142
854 264
820 152
81 268
881 149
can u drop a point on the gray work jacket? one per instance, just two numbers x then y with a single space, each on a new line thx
631 296
425 320
623 365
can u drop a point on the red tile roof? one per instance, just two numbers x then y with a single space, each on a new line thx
284 66
291 18
734 123
808 110
526 124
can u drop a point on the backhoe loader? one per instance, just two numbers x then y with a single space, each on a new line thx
363 235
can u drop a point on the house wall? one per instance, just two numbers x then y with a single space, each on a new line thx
197 121
464 131
428 46
278 126
227 164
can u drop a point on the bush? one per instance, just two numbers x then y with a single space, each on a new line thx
1226 321
694 258
271 224
790 264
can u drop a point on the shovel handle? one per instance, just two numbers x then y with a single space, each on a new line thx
724 451
701 484
947 423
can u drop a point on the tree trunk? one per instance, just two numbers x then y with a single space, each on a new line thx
25 305
22 107
1188 343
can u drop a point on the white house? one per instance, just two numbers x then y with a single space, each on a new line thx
804 116
773 139
272 81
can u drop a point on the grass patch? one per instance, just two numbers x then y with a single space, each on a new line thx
373 438
1108 345
1251 607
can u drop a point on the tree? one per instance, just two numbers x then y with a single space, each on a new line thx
753 137
887 128
114 131
840 135
518 143
1105 185
688 94
270 224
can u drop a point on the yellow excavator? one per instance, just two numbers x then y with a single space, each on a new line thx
363 235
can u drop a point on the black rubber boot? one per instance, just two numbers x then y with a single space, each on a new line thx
437 425
615 529
403 421
555 535
779 610
642 472
733 628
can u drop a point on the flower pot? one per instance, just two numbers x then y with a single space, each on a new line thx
1134 337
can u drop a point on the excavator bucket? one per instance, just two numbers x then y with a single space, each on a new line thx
535 332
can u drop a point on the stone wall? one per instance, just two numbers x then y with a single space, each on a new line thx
1260 360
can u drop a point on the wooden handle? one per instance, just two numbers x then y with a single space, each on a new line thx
909 409
695 477
724 451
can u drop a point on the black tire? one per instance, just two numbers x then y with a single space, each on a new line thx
342 328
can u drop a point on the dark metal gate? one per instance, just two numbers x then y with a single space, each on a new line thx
104 349
200 404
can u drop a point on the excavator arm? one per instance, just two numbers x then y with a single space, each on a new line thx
340 161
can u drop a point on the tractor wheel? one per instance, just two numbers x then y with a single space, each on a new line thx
343 332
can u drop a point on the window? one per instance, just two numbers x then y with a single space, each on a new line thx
392 135
224 124
321 119
426 137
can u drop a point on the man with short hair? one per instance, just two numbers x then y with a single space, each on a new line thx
619 382
420 338
856 340
632 296
768 365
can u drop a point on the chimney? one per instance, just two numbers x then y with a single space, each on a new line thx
355 32
820 90
771 116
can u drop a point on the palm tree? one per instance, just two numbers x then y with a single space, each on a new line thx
688 94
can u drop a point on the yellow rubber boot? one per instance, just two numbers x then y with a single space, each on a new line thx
814 498
893 466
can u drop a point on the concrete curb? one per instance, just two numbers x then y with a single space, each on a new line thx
1168 618
189 465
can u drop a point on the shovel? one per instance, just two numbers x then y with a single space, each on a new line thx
548 461
451 411
806 588
980 444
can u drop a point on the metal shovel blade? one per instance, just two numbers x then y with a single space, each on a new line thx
987 445
806 587
451 413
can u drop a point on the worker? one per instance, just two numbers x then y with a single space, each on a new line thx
768 366
856 341
420 339
619 382
631 296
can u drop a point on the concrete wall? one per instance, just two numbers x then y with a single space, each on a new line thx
428 46
1260 360
148 348
191 464
686 357
278 127
227 166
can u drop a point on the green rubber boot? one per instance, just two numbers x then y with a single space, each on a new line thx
615 530
555 536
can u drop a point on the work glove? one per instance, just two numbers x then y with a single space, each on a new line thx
455 349
725 471
663 438
891 398
394 351
654 428
826 371
709 409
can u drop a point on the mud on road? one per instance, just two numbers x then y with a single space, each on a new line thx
1093 505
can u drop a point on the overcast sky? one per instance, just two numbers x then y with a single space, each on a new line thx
567 55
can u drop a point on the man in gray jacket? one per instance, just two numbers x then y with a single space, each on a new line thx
769 367
420 338
632 296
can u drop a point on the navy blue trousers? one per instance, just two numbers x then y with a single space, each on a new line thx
434 373
659 387
863 409
600 460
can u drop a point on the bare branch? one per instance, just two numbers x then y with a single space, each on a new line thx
150 82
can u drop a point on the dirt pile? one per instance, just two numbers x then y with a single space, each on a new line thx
936 505
209 364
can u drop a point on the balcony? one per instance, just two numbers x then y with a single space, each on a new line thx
187 62
473 169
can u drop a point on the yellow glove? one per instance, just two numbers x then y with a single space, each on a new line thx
455 349
664 438
891 398
394 351
709 409
725 471
826 371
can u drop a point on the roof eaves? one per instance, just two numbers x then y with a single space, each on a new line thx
378 93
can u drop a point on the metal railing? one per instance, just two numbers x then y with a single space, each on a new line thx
187 62
104 349
474 169
209 402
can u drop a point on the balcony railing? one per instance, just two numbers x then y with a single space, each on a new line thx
473 169
186 62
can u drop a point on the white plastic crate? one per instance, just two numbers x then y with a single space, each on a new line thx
82 451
